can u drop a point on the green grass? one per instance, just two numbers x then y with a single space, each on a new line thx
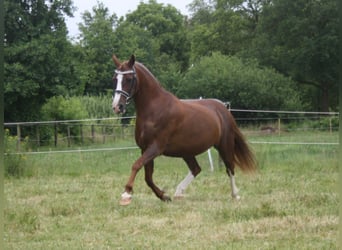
71 201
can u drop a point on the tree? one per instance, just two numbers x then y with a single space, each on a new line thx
225 26
133 39
99 42
38 56
300 39
245 84
297 38
29 19
167 27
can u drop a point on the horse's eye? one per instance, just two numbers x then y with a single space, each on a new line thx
129 80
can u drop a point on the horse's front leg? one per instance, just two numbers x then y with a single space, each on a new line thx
149 167
148 155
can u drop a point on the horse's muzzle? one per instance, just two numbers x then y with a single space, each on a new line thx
120 109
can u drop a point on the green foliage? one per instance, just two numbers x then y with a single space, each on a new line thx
101 107
98 42
29 19
322 124
299 39
77 108
134 39
221 26
38 57
166 25
35 71
14 162
245 84
97 106
59 108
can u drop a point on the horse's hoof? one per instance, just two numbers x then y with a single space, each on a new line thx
166 198
236 197
178 197
125 201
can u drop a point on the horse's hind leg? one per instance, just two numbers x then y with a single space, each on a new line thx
149 168
195 169
235 190
227 157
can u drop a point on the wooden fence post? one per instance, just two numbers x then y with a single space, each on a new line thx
330 125
92 133
56 134
38 135
69 135
81 133
103 134
19 137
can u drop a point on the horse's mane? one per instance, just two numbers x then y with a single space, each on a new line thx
147 71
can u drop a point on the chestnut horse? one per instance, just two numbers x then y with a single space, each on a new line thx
168 126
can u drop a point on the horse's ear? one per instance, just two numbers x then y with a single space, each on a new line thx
131 61
116 61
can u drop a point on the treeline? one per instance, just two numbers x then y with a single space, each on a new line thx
257 54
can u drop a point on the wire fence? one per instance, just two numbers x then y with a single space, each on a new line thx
117 133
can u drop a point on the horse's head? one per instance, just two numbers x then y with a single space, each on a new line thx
125 82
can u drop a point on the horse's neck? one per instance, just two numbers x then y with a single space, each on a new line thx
150 92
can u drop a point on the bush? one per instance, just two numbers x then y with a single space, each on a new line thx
59 108
317 124
245 84
15 163
326 123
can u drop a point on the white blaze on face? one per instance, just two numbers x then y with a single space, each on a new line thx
117 95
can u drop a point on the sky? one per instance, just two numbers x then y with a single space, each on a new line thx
120 8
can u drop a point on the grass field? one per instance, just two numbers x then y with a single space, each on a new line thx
71 201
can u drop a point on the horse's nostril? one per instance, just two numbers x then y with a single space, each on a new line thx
121 107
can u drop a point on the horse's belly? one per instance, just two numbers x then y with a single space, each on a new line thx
191 144
184 151
195 134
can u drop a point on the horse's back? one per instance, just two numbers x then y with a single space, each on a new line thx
205 107
210 103
213 105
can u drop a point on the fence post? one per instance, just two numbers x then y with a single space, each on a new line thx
38 135
19 137
278 126
56 134
92 133
81 133
69 134
114 132
103 134
330 125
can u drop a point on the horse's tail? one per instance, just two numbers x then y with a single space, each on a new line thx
243 156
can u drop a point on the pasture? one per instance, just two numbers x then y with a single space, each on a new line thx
71 201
